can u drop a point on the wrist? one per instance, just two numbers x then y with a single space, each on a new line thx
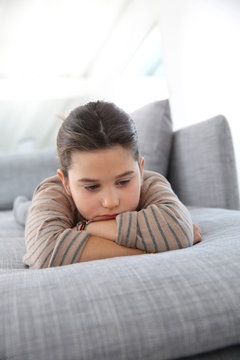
82 225
105 228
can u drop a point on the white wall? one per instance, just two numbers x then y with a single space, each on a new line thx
201 47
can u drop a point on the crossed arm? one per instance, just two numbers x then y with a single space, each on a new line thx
101 244
163 224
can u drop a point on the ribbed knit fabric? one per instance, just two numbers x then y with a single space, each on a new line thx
49 237
160 223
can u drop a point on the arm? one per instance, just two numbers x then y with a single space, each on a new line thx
109 230
99 248
49 235
161 223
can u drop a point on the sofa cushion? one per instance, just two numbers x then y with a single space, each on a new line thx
202 168
154 306
22 172
20 209
12 246
154 128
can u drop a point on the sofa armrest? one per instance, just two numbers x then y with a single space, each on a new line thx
20 173
202 169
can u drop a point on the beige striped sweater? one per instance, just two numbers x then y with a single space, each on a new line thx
160 223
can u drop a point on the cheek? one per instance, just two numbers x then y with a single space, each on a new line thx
131 196
84 202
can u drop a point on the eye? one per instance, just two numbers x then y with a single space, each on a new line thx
124 182
91 187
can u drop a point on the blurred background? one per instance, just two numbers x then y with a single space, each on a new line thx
58 54
65 53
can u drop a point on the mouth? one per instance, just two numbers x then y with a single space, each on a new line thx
108 216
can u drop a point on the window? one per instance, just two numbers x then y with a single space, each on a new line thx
56 54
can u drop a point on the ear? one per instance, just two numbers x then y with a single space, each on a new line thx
141 160
64 182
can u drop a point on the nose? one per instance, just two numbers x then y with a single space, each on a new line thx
110 199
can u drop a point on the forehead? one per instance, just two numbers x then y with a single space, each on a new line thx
101 163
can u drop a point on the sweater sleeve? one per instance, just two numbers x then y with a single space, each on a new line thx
49 237
161 222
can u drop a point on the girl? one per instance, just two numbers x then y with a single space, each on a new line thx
102 203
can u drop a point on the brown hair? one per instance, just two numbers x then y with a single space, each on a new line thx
94 126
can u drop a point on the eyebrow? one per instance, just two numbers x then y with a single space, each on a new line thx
86 180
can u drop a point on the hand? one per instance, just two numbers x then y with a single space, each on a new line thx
106 229
197 234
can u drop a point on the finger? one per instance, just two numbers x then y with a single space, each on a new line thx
197 237
197 228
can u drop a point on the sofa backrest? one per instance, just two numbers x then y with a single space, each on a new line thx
202 167
20 173
154 128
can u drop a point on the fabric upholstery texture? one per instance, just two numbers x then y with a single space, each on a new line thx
181 304
202 165
130 307
20 174
154 128
231 353
20 208
12 246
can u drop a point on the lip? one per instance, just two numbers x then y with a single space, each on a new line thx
108 216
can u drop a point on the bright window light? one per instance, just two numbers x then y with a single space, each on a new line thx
58 54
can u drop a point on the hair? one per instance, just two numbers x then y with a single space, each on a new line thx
95 126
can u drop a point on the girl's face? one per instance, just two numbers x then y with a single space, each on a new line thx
104 183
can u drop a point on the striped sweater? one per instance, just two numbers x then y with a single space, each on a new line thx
160 223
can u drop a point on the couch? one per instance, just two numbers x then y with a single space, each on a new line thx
182 304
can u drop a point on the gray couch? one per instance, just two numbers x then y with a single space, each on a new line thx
182 304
